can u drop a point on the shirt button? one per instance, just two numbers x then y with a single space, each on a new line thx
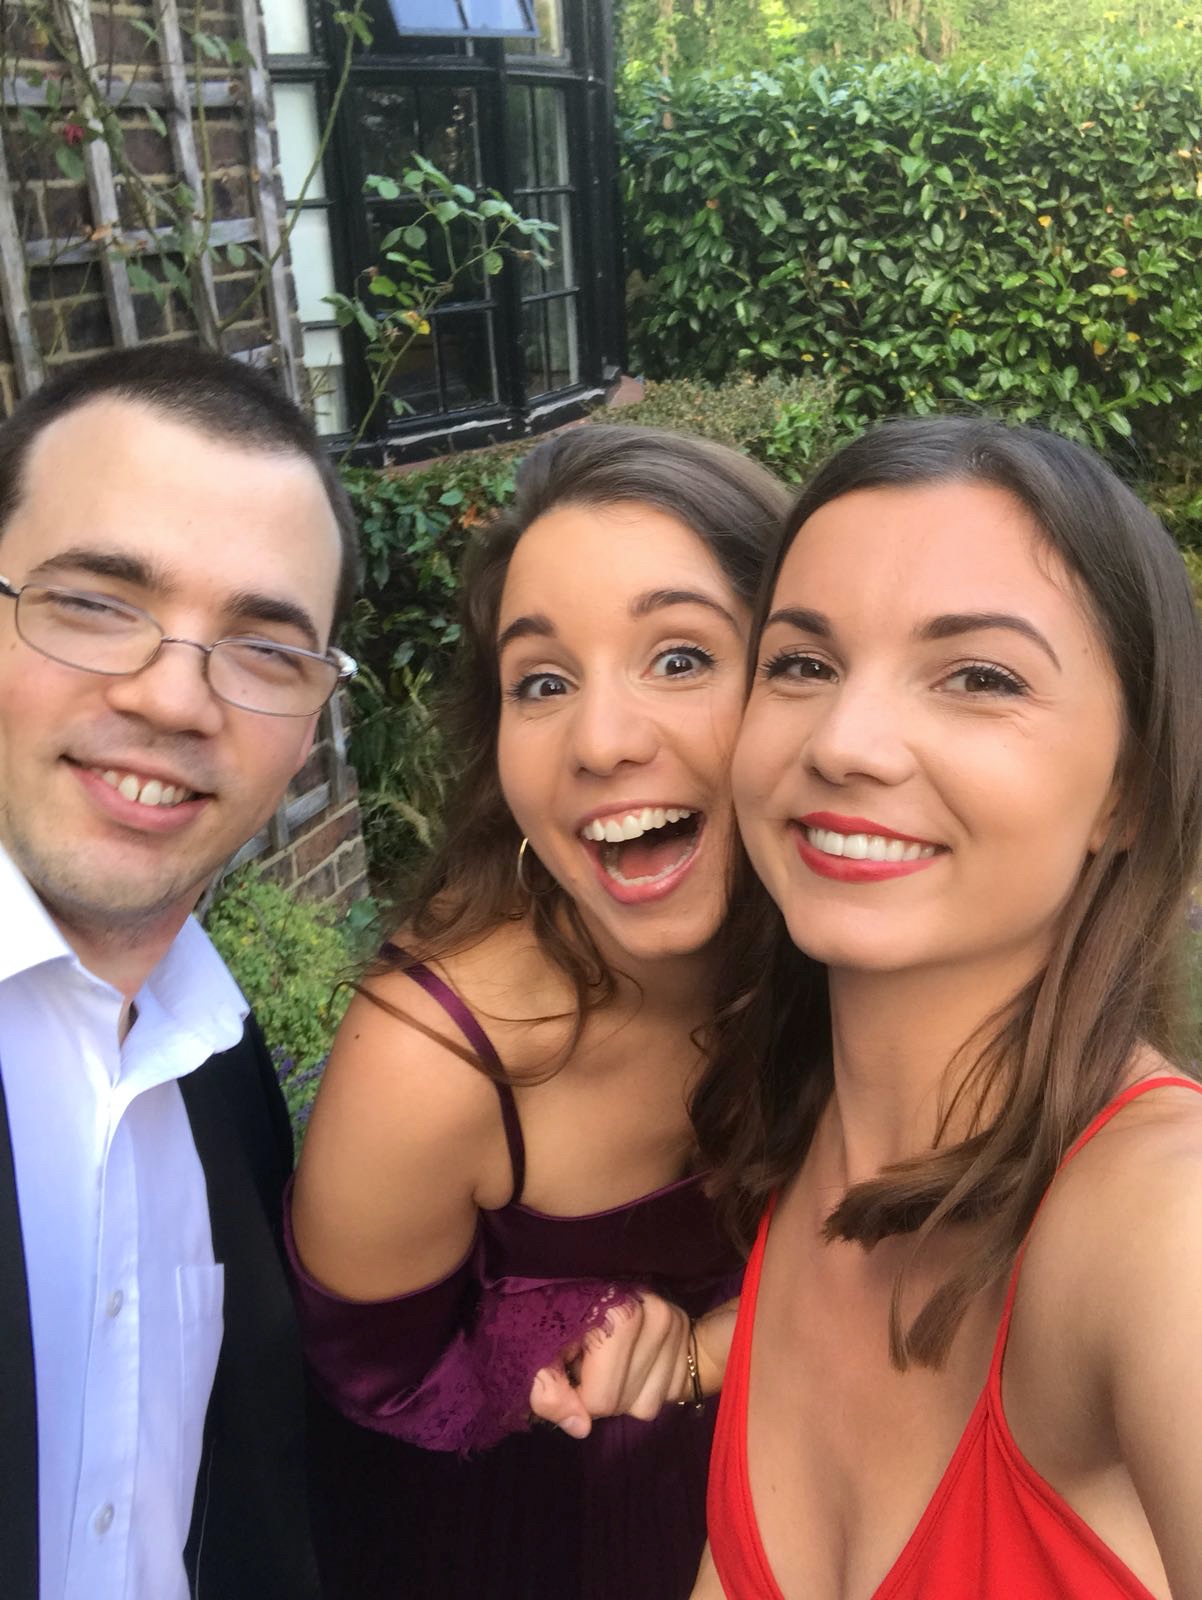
103 1520
116 1301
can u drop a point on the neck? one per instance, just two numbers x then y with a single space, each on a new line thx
123 955
903 1043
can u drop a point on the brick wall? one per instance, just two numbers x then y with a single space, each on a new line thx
66 291
315 844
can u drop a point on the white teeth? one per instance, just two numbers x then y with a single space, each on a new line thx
151 793
633 825
867 846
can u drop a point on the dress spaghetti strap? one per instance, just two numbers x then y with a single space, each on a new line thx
1108 1111
460 1014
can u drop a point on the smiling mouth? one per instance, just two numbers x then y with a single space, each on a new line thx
144 791
866 846
646 846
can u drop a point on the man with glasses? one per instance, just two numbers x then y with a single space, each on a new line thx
175 557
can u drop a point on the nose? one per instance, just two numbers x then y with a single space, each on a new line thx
861 731
171 693
612 725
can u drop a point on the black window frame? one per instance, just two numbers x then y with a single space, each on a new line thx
584 76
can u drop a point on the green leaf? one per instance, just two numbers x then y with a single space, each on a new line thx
382 284
415 236
69 163
493 262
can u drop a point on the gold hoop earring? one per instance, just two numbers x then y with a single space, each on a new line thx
521 876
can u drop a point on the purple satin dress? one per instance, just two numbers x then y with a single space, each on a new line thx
458 1515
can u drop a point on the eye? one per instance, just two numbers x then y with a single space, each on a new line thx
265 659
797 666
682 661
984 678
79 609
538 686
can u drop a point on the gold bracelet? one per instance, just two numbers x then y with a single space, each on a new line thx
695 1398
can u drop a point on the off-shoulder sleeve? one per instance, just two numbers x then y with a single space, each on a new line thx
449 1366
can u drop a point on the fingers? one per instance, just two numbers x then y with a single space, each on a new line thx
637 1363
553 1399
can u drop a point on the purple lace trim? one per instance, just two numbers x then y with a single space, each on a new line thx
478 1392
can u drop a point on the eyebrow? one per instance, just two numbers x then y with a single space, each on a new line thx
948 626
954 623
538 626
245 606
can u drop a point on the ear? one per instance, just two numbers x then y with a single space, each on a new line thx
307 743
1110 813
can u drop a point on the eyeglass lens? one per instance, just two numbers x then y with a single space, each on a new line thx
97 634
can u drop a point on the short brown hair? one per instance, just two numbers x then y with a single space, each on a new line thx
221 397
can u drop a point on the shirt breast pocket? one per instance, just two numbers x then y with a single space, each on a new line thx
200 1293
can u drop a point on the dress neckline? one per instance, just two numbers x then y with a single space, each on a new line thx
988 1410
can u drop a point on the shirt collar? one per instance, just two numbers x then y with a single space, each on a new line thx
29 936
190 991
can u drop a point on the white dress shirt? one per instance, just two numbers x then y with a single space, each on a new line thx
125 1299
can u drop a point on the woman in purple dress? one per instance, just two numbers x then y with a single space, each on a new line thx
501 1156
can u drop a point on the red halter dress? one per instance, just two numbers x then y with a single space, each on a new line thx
994 1529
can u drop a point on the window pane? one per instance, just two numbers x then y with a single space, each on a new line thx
428 16
415 381
286 24
387 129
548 19
521 139
445 253
550 136
312 265
561 274
299 135
449 132
469 368
499 16
395 123
562 353
534 348
323 363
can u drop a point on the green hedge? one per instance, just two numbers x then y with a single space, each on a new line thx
1027 241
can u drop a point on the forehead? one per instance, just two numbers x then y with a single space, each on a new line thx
121 476
598 558
928 549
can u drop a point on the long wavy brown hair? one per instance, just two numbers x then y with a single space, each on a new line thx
1059 1051
470 885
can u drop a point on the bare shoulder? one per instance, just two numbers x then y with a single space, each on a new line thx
1125 1216
406 1143
522 1000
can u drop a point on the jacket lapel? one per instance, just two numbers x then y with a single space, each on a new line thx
18 1400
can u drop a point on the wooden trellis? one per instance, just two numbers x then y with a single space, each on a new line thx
112 245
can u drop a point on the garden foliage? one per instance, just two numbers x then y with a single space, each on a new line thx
1028 240
292 963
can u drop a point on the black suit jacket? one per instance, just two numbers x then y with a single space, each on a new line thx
249 1538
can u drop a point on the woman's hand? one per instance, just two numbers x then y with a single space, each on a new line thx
633 1366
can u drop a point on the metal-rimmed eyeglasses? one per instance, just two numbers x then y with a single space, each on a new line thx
98 633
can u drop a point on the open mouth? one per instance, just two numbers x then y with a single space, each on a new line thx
645 847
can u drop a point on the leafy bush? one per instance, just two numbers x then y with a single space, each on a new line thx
414 526
291 962
1029 241
785 422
